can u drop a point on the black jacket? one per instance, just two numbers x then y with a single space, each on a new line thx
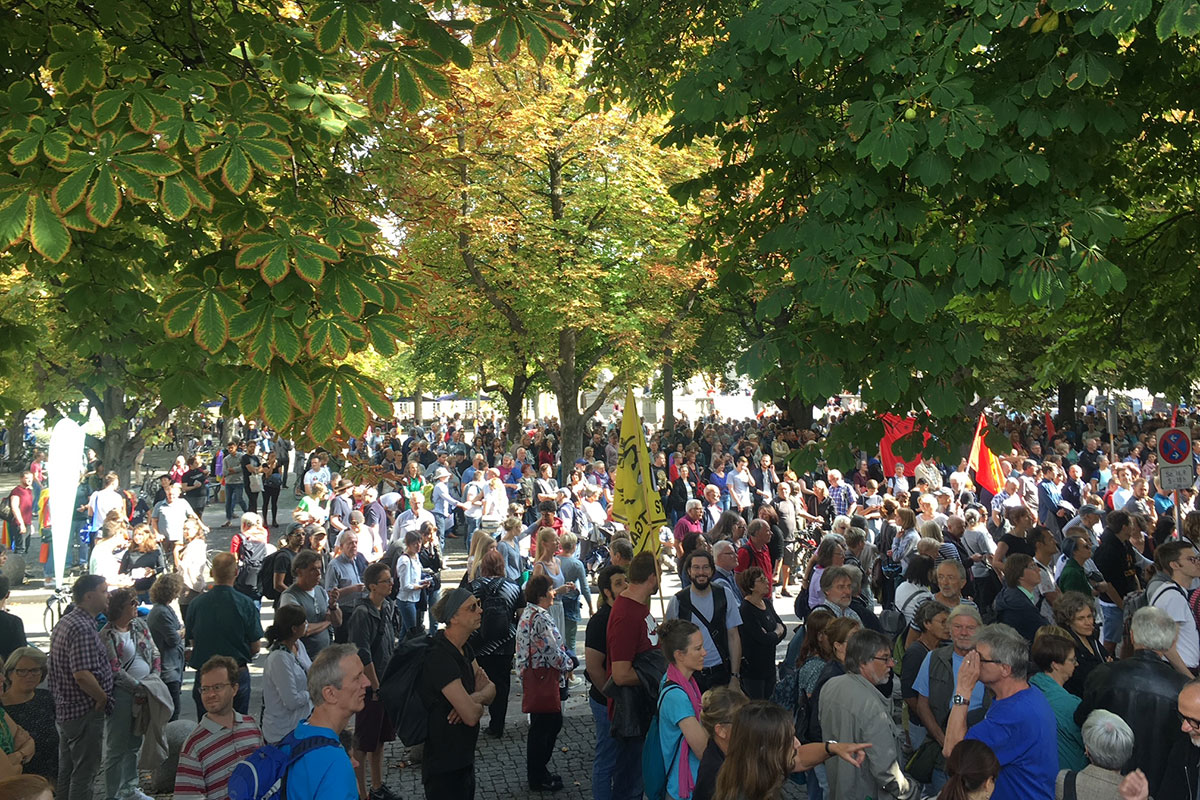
1183 772
1142 690
1014 608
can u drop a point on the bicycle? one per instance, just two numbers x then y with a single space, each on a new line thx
56 605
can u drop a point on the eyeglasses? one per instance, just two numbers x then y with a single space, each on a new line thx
214 688
983 660
27 673
1191 722
888 659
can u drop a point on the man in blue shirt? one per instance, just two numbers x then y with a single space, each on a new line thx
337 684
1019 727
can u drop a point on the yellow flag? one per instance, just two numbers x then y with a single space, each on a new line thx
636 503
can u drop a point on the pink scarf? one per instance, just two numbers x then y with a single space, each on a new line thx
687 781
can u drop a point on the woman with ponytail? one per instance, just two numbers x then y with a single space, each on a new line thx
972 769
681 736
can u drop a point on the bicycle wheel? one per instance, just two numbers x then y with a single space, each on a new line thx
50 615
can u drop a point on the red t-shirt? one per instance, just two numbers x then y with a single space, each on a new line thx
632 629
24 502
749 557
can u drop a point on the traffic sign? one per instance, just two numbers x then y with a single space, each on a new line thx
1175 467
1171 477
1174 446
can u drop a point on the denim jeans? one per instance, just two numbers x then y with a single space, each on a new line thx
80 743
606 753
472 524
234 496
627 769
408 616
444 524
121 747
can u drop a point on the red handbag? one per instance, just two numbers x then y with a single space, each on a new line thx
539 691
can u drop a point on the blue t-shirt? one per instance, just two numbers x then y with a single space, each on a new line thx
675 707
1022 733
325 773
921 684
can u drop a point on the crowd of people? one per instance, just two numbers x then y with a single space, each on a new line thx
1037 643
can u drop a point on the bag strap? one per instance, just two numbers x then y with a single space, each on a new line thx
912 597
299 749
1069 788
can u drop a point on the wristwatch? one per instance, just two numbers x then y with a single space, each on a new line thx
959 700
828 742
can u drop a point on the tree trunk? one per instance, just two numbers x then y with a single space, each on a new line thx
16 436
514 404
418 406
668 389
799 411
1068 401
572 428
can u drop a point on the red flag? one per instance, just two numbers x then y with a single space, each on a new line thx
895 427
1050 431
984 461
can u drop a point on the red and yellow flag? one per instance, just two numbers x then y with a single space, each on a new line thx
984 462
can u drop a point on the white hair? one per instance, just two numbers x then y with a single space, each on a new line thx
250 520
1108 739
1153 629
693 503
345 536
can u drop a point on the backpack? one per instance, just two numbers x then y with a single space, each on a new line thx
496 623
6 512
1194 604
789 695
251 557
266 576
715 626
400 690
1136 601
654 769
263 774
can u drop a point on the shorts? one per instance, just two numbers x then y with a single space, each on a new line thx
372 726
791 553
1113 623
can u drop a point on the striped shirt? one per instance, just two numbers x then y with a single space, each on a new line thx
210 754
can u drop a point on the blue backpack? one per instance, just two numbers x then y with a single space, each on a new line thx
263 774
654 769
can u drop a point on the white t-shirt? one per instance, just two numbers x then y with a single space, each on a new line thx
1170 597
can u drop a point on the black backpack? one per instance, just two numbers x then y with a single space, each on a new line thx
496 624
251 557
400 690
715 626
266 575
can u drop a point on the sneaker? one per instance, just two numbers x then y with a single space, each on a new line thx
383 793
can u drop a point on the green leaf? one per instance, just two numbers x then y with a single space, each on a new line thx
175 198
353 410
324 414
237 172
179 312
509 39
154 164
299 391
14 219
212 326
47 233
277 411
104 200
385 330
106 105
